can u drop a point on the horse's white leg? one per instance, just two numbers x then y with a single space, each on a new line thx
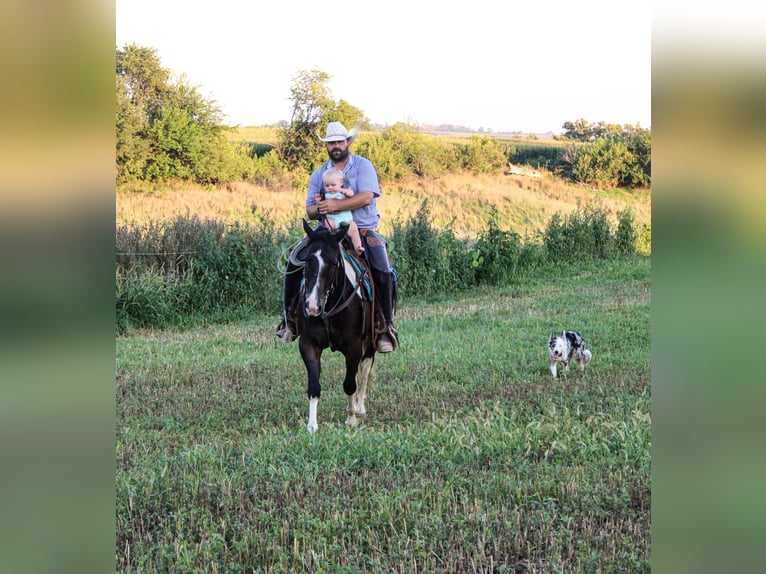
312 426
356 409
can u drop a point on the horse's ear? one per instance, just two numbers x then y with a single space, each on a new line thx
307 227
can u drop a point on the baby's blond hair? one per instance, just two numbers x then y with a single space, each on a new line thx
333 173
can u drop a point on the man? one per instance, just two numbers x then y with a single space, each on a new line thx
361 177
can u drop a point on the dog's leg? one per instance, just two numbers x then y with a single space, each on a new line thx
553 369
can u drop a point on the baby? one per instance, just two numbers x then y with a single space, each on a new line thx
333 180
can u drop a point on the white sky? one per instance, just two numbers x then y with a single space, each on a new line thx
481 63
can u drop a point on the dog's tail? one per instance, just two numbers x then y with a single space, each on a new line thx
587 355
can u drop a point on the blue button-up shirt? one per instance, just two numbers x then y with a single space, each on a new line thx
360 175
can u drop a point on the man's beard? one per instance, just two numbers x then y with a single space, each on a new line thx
338 155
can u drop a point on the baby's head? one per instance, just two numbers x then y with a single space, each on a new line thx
333 177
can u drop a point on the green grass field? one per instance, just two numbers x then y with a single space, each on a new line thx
472 459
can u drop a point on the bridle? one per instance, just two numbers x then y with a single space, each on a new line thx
338 280
341 303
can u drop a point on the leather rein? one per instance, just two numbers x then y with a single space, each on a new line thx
343 303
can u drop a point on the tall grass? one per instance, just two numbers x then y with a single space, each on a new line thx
472 458
459 200
189 268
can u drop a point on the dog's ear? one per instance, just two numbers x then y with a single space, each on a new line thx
553 334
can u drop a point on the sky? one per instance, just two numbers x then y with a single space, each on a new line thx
481 64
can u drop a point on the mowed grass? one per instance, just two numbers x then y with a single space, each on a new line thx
473 459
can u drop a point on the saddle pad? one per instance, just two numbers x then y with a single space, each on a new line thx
359 273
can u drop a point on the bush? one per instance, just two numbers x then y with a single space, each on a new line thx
644 239
481 155
626 235
402 150
144 300
222 271
230 272
535 155
428 260
584 234
164 247
496 254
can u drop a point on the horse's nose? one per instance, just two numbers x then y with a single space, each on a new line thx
313 304
311 310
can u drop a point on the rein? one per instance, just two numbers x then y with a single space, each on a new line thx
343 303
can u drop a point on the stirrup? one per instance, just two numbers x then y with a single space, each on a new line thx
387 342
385 345
286 331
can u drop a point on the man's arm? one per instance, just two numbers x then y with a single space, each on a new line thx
325 206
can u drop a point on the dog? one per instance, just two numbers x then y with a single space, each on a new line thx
566 347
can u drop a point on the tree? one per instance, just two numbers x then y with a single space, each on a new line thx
313 109
608 155
601 163
299 146
583 131
166 129
141 87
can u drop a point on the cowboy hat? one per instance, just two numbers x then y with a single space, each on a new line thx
336 132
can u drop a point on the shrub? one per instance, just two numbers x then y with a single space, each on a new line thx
626 235
222 271
402 150
428 260
481 155
232 271
496 254
585 234
644 239
535 155
144 300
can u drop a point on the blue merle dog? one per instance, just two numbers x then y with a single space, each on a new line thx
569 345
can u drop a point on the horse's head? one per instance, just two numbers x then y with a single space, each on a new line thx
322 267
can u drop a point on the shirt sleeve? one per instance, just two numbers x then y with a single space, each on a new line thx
366 177
315 186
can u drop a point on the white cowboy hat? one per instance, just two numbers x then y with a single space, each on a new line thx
336 132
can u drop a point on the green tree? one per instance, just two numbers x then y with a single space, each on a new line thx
299 148
166 129
313 108
639 172
584 131
608 154
142 86
348 115
601 163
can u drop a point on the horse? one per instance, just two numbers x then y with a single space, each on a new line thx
334 312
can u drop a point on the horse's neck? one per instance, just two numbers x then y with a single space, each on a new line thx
340 281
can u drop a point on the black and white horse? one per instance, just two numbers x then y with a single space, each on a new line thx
336 313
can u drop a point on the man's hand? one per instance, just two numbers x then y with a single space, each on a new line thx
325 206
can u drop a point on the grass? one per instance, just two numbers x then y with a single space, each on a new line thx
473 459
461 201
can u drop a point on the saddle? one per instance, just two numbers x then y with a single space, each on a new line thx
364 278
